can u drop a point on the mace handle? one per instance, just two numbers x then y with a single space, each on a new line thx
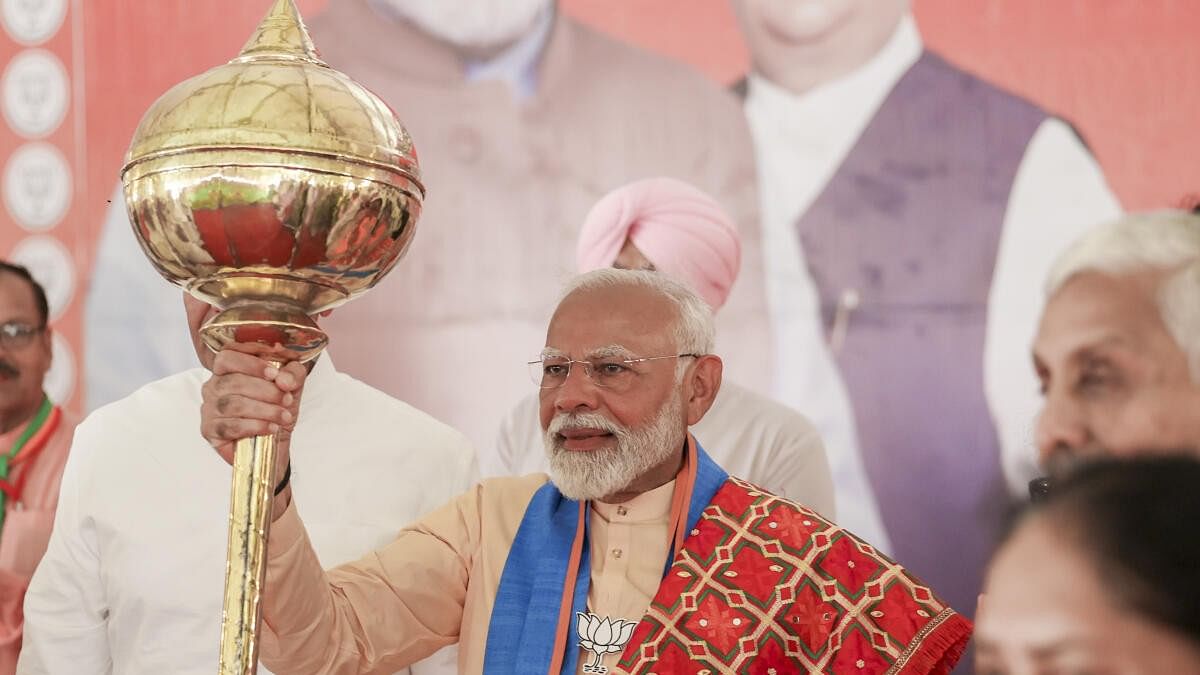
246 562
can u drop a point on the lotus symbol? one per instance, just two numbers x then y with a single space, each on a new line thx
602 636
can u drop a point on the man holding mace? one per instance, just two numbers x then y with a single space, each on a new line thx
636 554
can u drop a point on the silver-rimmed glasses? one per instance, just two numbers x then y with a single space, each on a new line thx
611 372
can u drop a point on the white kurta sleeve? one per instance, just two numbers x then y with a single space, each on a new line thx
519 446
66 611
1058 193
801 469
462 463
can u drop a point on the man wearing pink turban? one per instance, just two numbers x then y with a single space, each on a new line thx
682 230
670 226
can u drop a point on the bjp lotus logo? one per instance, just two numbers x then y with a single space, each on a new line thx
602 636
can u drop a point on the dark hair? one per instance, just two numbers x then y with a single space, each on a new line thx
1138 520
39 293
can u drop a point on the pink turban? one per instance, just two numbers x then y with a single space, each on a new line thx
681 230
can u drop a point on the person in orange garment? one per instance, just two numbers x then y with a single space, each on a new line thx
636 554
35 435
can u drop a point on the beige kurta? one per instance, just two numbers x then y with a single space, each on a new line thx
436 583
26 530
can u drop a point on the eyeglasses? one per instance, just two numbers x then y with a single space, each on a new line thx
611 372
17 335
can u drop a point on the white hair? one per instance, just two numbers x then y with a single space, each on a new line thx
694 329
1168 241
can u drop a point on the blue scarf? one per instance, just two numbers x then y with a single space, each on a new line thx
524 625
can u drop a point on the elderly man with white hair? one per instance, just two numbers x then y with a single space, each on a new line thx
1118 348
637 553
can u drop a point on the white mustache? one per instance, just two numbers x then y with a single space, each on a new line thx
564 421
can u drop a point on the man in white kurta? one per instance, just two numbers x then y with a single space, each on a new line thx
132 582
666 225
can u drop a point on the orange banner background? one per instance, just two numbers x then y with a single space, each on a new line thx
1120 70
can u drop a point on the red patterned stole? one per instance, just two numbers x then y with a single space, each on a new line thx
764 585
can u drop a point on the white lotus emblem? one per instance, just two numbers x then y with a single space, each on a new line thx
602 636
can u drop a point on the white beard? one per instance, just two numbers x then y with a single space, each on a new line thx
478 24
600 473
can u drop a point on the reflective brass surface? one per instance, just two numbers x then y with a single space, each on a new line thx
246 559
272 187
273 177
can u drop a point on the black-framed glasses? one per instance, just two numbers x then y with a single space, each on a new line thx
612 372
18 334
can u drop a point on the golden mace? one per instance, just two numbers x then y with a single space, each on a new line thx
272 187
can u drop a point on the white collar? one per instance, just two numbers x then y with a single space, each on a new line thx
517 65
848 102
319 380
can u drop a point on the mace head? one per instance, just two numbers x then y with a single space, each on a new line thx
272 185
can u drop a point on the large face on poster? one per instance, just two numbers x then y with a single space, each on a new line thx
805 20
472 24
809 22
